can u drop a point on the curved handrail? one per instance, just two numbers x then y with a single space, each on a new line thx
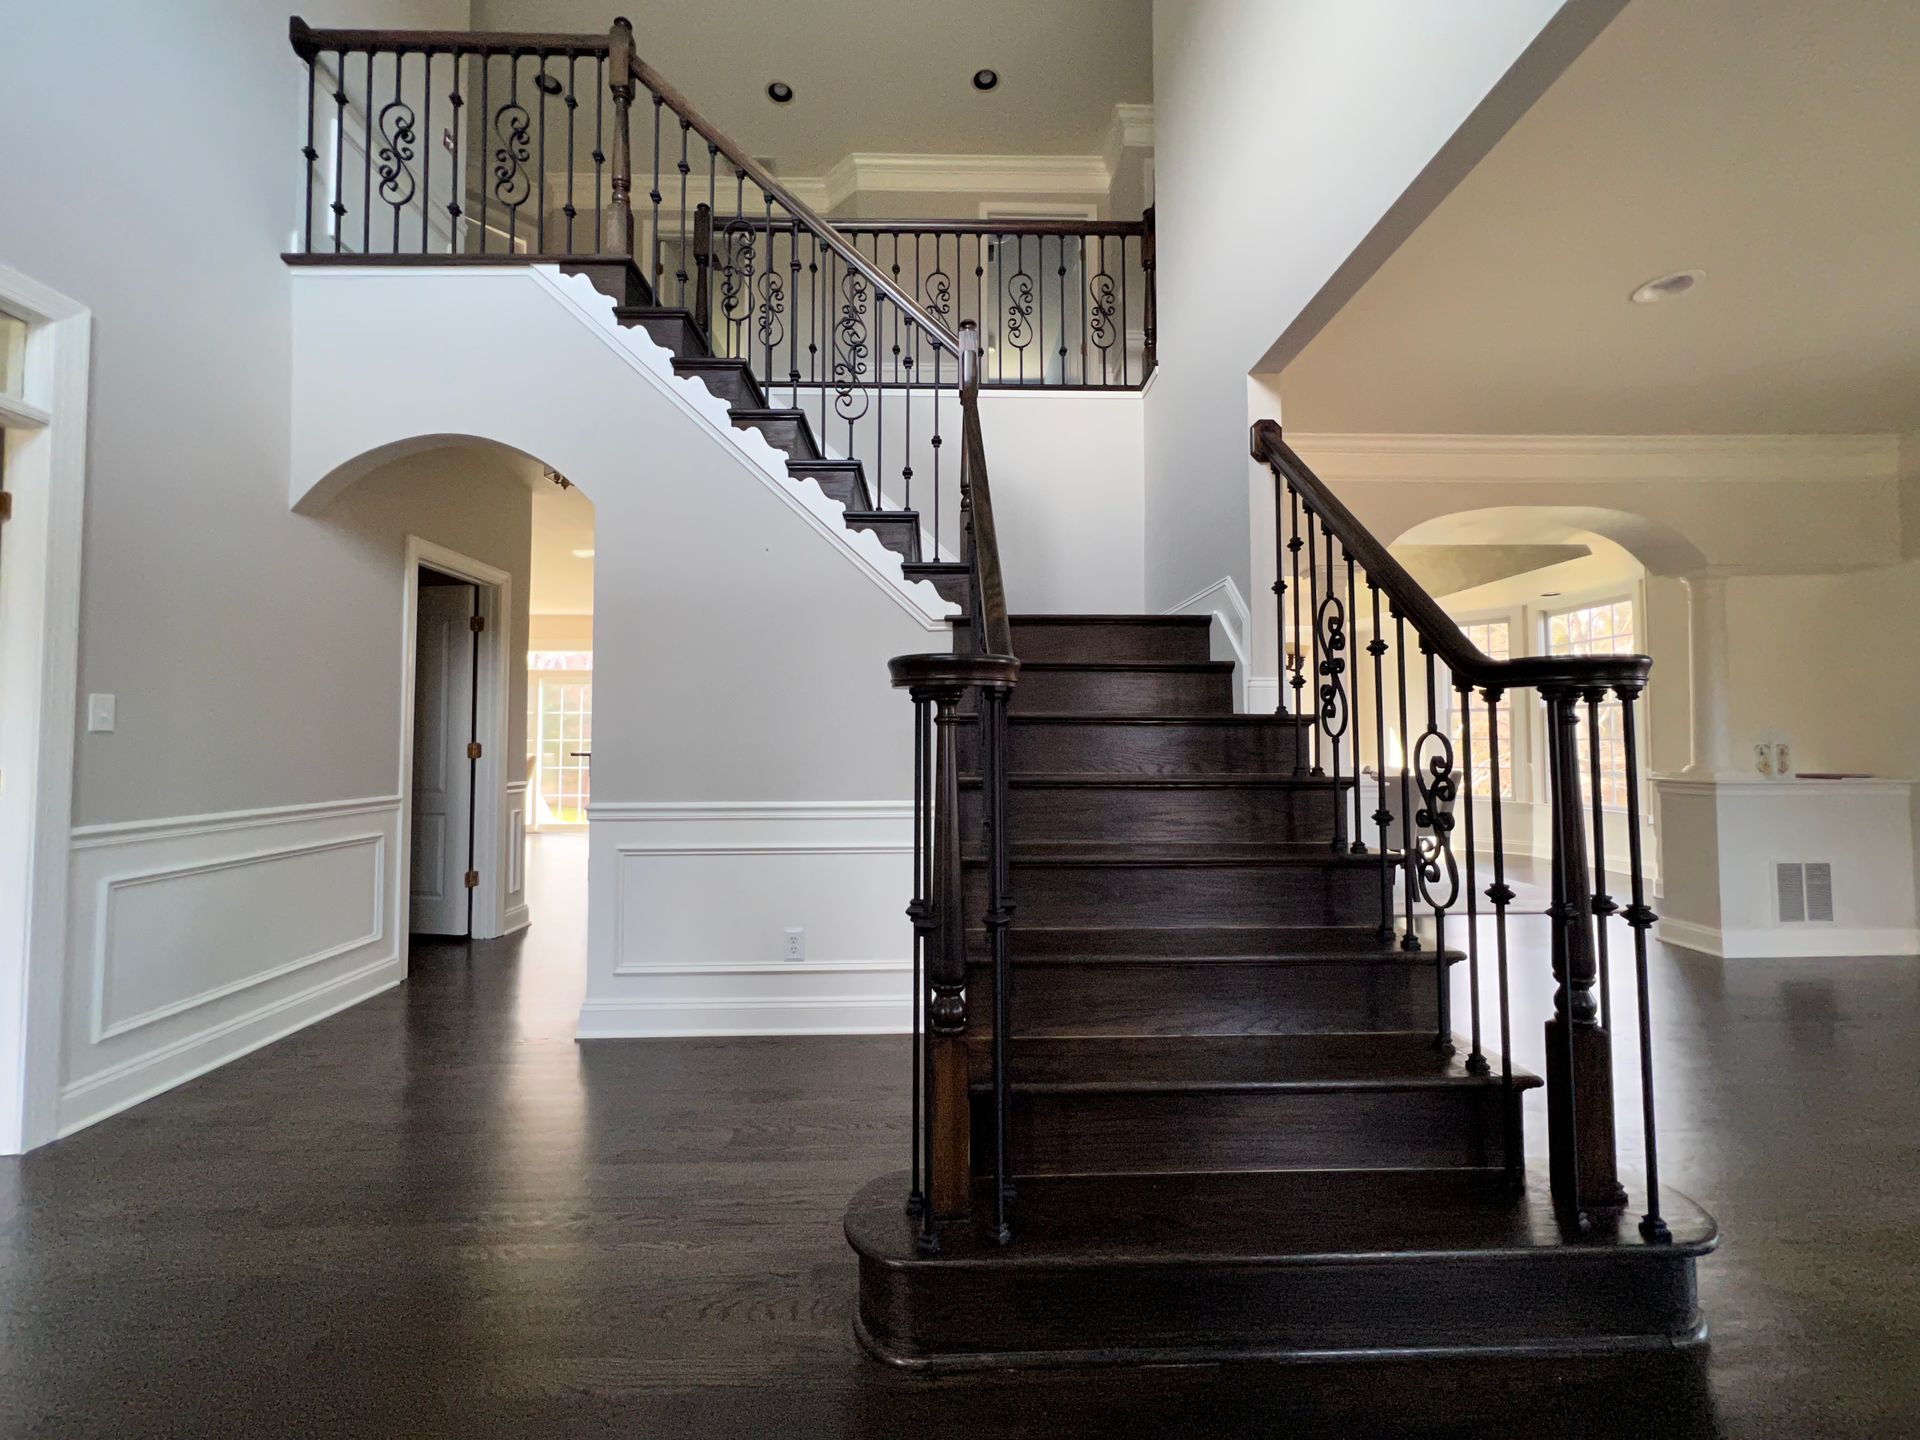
1410 598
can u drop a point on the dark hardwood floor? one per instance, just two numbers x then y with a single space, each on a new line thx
438 1215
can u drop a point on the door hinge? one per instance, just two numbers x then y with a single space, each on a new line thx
6 504
473 750
473 879
477 623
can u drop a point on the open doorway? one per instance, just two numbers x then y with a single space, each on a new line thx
456 740
559 761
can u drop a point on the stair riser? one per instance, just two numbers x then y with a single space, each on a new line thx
982 1315
1124 692
1166 749
900 536
1037 640
1298 894
1169 1134
1218 998
790 436
1244 814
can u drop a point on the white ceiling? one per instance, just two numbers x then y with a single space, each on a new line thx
888 76
1775 146
562 523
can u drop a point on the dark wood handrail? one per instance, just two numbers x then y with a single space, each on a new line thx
1410 599
309 42
994 227
994 631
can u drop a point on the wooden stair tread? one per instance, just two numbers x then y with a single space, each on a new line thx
1150 667
1181 780
1162 1063
1279 1218
1169 854
1208 945
1144 620
1074 717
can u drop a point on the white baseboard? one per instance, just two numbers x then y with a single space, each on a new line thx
518 918
810 1015
1263 694
1800 942
195 939
1231 635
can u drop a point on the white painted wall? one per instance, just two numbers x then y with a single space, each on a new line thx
740 643
1296 143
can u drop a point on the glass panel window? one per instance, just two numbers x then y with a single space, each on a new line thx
1495 640
560 735
1603 629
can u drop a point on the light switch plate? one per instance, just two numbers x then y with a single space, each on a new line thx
100 714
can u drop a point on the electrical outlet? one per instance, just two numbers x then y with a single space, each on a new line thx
796 945
100 710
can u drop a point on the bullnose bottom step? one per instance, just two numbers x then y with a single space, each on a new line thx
1299 1266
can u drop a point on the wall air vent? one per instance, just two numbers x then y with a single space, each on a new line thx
1803 892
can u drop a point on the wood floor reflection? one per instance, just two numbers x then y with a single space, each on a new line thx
437 1214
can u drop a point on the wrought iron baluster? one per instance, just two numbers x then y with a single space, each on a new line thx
540 166
312 157
1332 710
572 104
1280 490
366 163
599 157
1476 1058
1359 846
685 168
395 125
455 175
1603 903
1124 343
1382 816
794 293
1084 279
1501 896
1439 875
657 273
338 205
426 150
1409 839
486 121
1641 918
1060 314
1313 634
1293 674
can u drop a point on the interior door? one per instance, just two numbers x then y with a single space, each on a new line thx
443 716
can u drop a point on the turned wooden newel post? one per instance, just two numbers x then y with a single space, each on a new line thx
1150 324
703 263
951 1161
1580 1135
620 148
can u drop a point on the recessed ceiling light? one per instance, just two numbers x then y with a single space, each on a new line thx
985 79
1665 287
779 92
586 554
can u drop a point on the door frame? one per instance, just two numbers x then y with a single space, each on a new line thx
39 650
495 603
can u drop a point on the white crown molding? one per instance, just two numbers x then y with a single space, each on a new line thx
1130 127
1555 459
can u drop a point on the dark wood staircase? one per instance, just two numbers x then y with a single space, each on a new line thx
1236 1127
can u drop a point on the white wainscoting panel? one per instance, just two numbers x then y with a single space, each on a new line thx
517 915
689 905
195 940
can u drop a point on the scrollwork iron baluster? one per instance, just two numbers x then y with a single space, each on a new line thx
1435 870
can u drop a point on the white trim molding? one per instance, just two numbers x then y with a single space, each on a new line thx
1231 634
1558 459
196 939
690 902
45 432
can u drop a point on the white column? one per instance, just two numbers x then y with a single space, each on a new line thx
1712 727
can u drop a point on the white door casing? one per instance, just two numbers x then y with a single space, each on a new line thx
442 774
